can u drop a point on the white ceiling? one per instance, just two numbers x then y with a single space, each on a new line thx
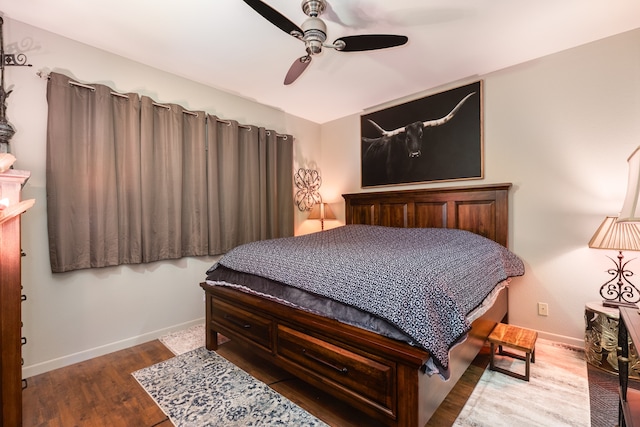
227 45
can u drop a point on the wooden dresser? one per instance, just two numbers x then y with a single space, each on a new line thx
11 183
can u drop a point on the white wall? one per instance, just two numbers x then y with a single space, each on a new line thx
73 316
560 129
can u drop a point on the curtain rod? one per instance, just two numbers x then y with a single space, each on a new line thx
122 95
43 75
228 123
279 135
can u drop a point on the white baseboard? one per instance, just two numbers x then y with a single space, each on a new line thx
574 342
49 365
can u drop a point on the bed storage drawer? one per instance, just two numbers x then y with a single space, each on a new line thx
357 374
248 325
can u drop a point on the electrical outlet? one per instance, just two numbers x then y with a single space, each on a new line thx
543 309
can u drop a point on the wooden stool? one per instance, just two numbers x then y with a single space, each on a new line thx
517 338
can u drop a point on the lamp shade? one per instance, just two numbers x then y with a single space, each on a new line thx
631 207
620 236
321 211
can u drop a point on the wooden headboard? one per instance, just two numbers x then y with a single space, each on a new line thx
482 210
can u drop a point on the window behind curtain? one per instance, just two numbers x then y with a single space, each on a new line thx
130 180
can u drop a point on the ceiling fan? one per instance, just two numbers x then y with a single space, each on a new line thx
314 33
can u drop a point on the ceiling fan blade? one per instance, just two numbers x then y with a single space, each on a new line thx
275 17
297 68
370 42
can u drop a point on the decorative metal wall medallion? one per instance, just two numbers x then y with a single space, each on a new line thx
308 182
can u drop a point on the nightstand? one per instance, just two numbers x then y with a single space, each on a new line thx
601 339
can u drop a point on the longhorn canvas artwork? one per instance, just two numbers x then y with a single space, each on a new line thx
435 138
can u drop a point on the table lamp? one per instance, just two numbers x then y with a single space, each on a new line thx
621 236
321 211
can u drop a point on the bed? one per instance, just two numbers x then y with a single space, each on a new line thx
393 379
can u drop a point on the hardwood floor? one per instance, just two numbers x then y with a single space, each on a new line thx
102 391
98 392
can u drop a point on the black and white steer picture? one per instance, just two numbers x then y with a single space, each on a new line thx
436 138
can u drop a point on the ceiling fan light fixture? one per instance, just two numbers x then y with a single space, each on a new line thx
315 34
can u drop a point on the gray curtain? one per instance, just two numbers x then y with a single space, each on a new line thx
92 174
250 184
277 212
126 121
130 180
174 182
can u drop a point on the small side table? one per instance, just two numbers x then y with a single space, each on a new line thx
520 339
601 339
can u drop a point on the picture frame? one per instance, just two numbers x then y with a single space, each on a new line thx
435 138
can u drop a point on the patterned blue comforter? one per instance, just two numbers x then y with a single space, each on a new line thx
422 280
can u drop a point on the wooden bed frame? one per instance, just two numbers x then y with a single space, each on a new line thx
380 376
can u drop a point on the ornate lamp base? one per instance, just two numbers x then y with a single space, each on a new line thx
619 291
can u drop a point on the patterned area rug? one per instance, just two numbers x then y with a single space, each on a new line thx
556 395
200 388
188 339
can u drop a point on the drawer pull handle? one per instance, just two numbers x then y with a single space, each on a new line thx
237 322
343 371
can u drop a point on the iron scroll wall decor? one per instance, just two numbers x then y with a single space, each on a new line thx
7 60
308 182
